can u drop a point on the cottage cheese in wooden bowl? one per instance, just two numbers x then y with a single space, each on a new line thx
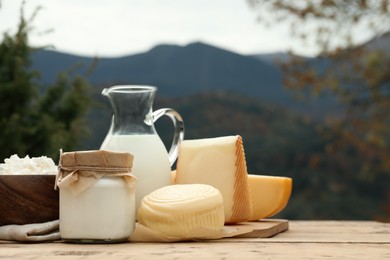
27 193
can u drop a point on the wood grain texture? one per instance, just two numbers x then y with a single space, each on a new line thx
265 228
303 240
26 199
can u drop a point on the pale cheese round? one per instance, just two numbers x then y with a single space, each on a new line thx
176 210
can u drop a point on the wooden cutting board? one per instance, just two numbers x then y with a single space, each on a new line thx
265 228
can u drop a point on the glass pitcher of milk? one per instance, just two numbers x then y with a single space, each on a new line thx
132 130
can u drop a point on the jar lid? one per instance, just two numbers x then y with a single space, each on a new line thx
97 158
79 170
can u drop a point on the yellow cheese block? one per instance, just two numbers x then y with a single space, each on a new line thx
219 162
176 210
269 195
173 177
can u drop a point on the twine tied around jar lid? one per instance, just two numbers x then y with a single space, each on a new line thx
80 170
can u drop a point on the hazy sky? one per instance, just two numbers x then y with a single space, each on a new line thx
122 27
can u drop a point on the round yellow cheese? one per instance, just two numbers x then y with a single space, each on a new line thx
176 210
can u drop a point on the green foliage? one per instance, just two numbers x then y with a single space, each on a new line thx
34 123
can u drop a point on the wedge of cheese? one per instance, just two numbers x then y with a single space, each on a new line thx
219 162
269 195
176 210
173 177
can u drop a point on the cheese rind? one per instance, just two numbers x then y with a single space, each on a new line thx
269 195
176 210
219 162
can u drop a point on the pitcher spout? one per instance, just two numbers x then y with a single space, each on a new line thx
105 91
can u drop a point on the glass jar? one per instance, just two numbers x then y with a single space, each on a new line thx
97 198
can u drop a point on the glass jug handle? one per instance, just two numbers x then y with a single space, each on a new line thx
179 130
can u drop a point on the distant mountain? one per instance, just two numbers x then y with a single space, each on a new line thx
197 67
175 70
273 57
180 71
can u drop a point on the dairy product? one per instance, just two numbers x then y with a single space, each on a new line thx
97 197
35 165
269 194
219 162
151 165
173 177
176 210
103 212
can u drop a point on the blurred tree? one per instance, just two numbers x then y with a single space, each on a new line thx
330 24
358 138
31 122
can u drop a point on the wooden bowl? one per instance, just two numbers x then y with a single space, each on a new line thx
27 199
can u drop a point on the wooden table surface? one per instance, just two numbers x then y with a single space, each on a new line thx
303 240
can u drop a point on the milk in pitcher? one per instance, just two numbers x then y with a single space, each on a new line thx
150 165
